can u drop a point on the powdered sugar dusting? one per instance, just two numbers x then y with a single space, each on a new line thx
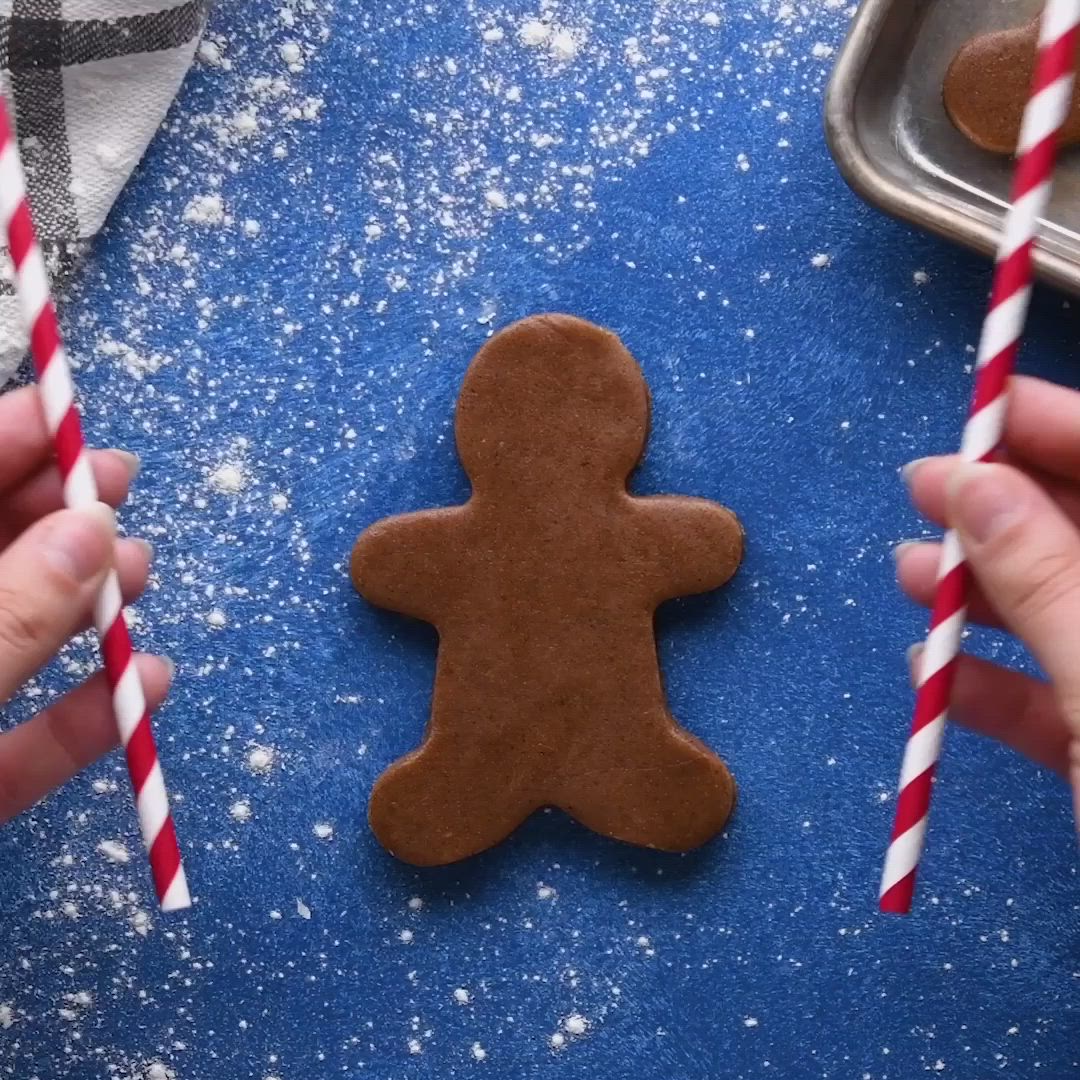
114 851
347 199
261 759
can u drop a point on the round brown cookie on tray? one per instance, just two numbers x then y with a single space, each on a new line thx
543 588
987 86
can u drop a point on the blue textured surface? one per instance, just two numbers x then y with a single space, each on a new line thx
289 385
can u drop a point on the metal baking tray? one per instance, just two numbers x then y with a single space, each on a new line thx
888 130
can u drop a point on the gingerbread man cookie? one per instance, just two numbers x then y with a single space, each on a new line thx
987 86
543 588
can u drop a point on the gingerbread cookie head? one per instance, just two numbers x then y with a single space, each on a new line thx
552 396
987 86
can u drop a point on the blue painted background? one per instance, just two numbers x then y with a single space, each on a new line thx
319 359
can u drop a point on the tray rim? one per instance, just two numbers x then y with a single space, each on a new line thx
861 172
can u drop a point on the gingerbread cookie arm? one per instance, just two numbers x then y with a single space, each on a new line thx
686 545
403 563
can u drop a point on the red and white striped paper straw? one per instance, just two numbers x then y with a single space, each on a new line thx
58 401
1046 111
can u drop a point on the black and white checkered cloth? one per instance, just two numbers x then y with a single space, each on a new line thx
88 81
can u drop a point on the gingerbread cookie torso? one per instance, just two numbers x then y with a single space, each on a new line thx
543 588
987 85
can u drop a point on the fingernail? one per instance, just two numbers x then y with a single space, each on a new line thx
911 468
981 503
132 462
144 546
79 543
170 664
905 545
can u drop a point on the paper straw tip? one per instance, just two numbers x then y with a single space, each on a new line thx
177 896
896 900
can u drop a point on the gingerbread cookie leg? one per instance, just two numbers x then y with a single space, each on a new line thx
428 808
665 791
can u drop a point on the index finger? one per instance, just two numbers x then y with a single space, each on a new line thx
48 750
1042 427
22 435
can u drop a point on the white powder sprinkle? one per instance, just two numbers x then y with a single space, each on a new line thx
496 199
920 277
750 1022
302 909
710 18
7 1016
245 124
821 260
544 892
822 51
405 937
533 32
557 1040
228 478
462 996
290 52
565 45
415 903
575 1024
205 210
261 759
415 1046
493 34
323 830
478 1052
114 851
217 619
240 810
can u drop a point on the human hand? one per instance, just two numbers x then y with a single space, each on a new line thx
1019 523
52 565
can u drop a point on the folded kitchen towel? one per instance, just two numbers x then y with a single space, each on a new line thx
88 81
